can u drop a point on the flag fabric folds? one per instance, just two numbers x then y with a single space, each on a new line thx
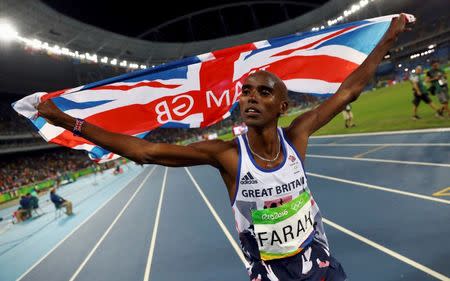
201 90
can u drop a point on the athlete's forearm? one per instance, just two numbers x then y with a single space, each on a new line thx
124 145
136 149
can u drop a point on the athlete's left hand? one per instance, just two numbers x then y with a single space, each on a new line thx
398 25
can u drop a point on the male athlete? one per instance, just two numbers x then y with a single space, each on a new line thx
279 223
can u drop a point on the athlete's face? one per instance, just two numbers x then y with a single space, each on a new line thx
263 99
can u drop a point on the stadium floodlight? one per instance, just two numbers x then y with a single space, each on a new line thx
123 63
113 62
143 66
7 32
406 69
399 65
431 46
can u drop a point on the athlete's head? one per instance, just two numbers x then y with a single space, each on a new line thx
435 64
418 69
264 98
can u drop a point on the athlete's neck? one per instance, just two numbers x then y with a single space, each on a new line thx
264 141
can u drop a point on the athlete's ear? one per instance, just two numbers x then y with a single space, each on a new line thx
284 107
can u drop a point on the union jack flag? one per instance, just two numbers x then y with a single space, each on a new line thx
201 90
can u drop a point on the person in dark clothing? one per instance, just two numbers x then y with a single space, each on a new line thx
61 202
25 202
438 79
24 210
420 93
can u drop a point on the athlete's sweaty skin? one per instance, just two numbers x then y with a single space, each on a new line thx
263 100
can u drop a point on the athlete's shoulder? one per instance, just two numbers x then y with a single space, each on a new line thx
217 145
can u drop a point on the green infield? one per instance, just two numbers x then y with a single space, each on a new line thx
385 109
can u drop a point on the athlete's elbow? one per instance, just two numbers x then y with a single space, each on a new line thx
142 155
148 154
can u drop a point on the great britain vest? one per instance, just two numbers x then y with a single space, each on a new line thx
275 213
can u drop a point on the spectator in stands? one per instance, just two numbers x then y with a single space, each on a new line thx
439 87
60 202
420 93
348 116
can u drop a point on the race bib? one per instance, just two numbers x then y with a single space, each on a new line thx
280 231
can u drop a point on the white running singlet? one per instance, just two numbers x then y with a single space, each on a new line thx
276 215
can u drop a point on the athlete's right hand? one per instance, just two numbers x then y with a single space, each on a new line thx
48 110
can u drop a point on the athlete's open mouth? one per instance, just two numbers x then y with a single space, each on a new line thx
252 110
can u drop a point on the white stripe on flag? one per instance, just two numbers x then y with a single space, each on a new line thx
311 86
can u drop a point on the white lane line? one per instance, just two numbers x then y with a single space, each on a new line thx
377 187
393 254
370 151
379 160
378 144
75 229
219 220
155 230
110 227
437 130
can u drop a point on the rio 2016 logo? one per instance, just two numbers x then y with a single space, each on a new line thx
274 216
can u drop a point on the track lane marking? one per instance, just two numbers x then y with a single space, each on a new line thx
75 229
370 151
333 144
219 220
88 257
443 192
382 188
379 160
155 230
385 250
422 131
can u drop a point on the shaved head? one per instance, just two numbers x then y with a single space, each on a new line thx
276 83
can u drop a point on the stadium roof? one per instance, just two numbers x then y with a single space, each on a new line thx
36 19
184 21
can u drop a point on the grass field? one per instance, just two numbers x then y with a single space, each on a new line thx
386 109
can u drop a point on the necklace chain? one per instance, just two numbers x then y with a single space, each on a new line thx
262 158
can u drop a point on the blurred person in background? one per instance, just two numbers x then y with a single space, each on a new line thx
420 93
438 79
348 116
60 202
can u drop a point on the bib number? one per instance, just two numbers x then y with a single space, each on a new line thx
280 231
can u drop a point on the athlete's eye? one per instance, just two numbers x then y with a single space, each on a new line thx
265 92
245 92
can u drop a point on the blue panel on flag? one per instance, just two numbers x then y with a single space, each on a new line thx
175 125
65 104
176 73
363 39
281 41
39 122
97 152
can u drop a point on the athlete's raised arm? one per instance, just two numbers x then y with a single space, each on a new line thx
305 125
138 150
